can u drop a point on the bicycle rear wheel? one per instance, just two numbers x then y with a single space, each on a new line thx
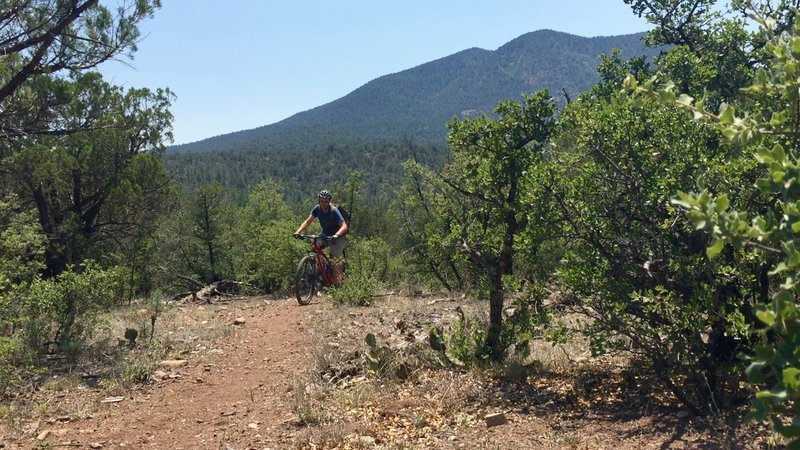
305 280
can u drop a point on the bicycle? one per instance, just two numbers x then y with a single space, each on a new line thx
316 268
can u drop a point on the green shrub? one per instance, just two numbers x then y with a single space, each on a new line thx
367 267
15 363
358 290
766 130
464 342
267 257
263 251
64 310
138 366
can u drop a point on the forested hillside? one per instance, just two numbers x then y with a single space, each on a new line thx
370 128
304 173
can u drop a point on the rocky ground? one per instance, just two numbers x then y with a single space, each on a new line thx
286 376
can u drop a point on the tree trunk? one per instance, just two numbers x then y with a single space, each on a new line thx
494 336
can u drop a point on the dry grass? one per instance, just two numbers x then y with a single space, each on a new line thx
308 402
336 435
558 393
556 397
109 366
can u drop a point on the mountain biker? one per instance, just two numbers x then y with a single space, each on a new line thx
333 225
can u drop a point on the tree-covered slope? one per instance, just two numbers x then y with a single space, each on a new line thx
418 102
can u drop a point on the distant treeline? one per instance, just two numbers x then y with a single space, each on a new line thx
302 173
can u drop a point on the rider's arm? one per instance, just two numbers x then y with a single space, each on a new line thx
342 229
305 224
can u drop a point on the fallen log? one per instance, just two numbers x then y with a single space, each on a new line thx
223 288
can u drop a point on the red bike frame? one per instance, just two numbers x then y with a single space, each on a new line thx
324 264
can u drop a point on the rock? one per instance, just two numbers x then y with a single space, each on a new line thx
43 435
112 399
239 321
95 445
174 363
496 419
159 375
683 414
63 418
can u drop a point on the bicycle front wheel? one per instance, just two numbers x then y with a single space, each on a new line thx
305 280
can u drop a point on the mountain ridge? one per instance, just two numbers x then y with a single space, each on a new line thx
417 103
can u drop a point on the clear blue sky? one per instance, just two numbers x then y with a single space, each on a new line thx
241 64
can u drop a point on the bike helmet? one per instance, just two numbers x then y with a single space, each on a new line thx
325 194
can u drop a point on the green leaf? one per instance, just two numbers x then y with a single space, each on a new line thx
726 114
791 377
764 156
630 83
715 248
778 153
781 267
767 316
754 371
759 410
790 431
796 47
729 133
666 97
685 199
722 203
775 393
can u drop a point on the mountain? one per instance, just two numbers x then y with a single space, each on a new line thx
418 102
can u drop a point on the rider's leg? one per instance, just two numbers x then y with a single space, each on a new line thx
337 254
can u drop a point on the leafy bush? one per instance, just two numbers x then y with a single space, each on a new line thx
367 265
262 249
462 342
357 290
64 310
767 130
138 366
631 263
16 362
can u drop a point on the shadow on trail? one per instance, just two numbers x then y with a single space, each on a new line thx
570 401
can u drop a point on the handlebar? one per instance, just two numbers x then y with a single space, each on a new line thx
311 237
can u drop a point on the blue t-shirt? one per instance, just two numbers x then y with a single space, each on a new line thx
330 221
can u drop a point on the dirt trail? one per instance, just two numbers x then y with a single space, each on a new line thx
239 394
235 397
